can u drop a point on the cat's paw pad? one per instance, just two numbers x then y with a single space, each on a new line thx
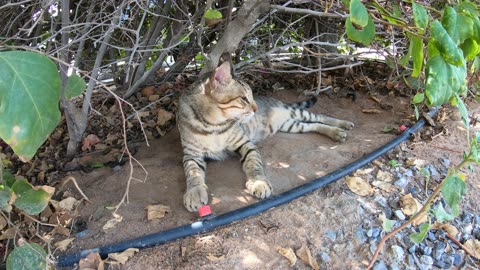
339 135
195 197
259 188
347 125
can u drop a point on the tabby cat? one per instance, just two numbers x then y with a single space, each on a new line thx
219 115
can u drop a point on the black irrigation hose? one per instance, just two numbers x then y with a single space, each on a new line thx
247 211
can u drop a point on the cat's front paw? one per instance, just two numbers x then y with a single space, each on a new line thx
338 135
259 188
195 197
347 125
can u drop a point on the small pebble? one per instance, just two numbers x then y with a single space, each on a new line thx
467 217
433 172
408 173
411 260
380 266
412 249
401 183
431 236
413 190
426 260
374 232
331 235
394 267
445 162
439 250
399 214
427 250
477 219
457 259
361 234
325 257
398 253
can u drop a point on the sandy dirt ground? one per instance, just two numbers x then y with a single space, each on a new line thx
326 221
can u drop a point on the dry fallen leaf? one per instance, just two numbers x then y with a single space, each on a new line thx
359 186
59 229
289 254
148 91
164 116
157 211
122 257
384 176
473 245
62 245
91 262
68 203
214 258
361 172
50 190
90 141
8 234
371 111
112 222
450 229
3 222
411 206
305 255
418 163
384 186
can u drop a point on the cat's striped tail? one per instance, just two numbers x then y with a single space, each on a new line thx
304 104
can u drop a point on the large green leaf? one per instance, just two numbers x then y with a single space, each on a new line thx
33 202
29 95
29 256
212 14
446 45
5 195
470 49
75 86
364 36
21 186
453 190
420 17
443 80
358 14
417 56
468 8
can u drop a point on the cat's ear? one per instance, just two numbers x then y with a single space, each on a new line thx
223 74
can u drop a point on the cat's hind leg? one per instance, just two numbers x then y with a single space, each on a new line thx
295 126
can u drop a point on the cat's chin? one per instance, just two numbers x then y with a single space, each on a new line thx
247 117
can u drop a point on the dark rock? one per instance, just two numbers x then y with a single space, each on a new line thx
445 262
467 217
441 234
408 173
457 259
413 190
477 219
394 203
433 172
431 236
439 250
380 266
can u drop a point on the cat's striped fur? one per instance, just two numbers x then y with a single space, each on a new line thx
219 115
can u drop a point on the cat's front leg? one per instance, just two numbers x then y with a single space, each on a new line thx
196 194
257 184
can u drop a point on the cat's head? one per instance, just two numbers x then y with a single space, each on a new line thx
233 98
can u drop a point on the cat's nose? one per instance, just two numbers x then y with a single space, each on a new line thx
254 107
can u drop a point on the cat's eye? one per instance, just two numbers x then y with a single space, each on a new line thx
245 99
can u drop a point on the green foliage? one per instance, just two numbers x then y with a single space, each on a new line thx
417 56
212 14
453 190
419 236
420 17
29 256
30 199
418 98
359 25
29 95
441 214
75 86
